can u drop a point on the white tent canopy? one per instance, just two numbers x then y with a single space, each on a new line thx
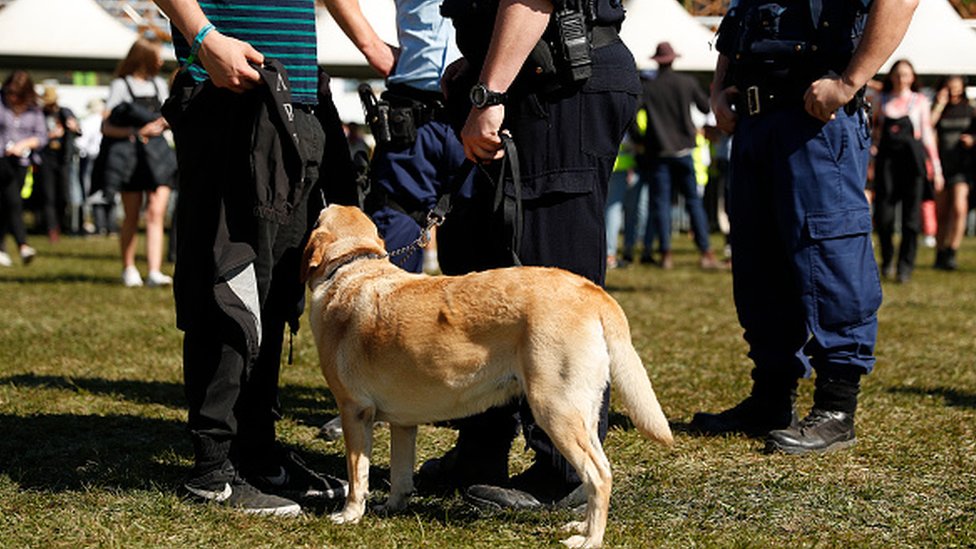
63 33
938 41
649 22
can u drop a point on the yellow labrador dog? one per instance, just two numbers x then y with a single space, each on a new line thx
412 349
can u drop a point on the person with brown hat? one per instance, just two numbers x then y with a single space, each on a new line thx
52 175
667 157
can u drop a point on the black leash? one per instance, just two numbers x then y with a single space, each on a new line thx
511 208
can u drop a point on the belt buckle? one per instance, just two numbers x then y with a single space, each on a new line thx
752 100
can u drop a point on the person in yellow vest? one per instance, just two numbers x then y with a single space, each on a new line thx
623 177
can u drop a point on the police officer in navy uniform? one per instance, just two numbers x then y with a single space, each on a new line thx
788 84
566 119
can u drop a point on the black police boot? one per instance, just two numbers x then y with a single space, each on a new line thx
540 487
830 424
480 455
459 468
940 260
769 407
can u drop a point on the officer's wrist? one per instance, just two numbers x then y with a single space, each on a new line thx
851 83
482 96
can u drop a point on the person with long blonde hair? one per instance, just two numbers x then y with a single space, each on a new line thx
137 173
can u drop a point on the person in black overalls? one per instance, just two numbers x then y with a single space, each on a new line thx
566 127
805 285
900 171
136 160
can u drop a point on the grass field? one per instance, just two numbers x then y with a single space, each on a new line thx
92 443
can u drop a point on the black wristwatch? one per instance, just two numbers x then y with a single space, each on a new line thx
482 97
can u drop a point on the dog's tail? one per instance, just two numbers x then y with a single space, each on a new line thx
630 379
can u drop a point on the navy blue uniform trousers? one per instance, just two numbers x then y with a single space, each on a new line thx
805 282
413 176
567 144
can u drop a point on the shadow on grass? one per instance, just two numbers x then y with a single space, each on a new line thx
62 452
142 392
308 405
953 397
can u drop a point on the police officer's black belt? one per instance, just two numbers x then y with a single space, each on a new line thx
755 100
426 106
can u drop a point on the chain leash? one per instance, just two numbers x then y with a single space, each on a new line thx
433 220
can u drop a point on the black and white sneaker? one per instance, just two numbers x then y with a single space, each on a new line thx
287 475
225 487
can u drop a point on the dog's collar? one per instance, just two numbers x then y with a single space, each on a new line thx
352 259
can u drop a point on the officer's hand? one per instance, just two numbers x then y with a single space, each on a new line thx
938 182
725 117
452 72
480 134
382 57
826 95
227 61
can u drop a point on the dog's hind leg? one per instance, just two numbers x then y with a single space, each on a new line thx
575 437
403 447
357 431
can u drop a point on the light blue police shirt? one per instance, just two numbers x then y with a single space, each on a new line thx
427 44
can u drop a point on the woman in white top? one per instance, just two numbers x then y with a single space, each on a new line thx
132 134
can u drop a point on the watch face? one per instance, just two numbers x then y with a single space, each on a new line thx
479 96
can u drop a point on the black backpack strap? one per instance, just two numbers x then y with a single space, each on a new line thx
132 94
155 83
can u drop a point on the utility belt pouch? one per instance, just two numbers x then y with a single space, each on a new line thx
394 126
403 126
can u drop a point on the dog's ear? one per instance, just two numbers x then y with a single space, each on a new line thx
312 258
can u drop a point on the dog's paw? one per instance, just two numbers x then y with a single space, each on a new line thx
345 517
575 527
579 542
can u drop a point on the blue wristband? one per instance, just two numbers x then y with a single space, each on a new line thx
197 42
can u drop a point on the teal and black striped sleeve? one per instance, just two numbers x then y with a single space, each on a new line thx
280 29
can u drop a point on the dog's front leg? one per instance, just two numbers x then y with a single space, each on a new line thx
403 447
357 431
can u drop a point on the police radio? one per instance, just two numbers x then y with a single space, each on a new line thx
574 41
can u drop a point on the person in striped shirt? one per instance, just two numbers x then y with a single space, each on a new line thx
236 280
